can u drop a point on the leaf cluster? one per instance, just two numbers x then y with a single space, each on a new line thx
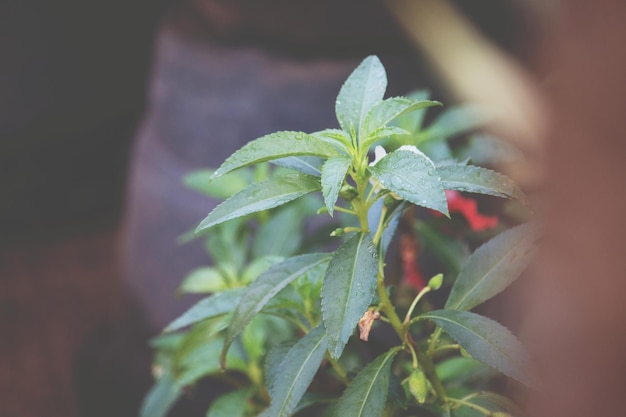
322 296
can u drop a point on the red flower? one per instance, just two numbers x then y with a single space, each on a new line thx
469 209
409 246
409 249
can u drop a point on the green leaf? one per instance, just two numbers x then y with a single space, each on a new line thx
459 370
412 176
273 360
227 246
274 146
387 132
367 393
333 173
486 340
297 371
412 122
335 136
232 404
162 396
258 266
220 188
348 289
203 361
312 398
261 196
362 90
213 306
266 286
311 165
495 403
455 121
281 235
198 336
479 180
385 112
203 280
492 268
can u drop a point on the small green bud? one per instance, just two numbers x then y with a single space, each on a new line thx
348 192
322 209
338 232
418 385
389 200
435 282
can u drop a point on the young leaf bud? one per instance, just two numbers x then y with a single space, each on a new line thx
418 385
338 232
348 192
435 282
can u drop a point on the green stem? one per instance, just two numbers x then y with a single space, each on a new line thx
476 407
338 369
380 228
434 339
387 308
425 290
413 356
344 210
445 347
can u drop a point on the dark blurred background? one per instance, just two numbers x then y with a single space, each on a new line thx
105 105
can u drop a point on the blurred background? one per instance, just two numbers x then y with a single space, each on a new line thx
104 106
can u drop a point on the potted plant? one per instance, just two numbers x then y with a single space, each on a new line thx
300 323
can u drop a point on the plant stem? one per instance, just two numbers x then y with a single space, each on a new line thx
445 347
425 362
476 407
338 369
434 339
344 210
380 228
414 303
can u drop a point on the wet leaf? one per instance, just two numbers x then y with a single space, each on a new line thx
311 165
362 90
348 289
264 195
413 177
486 340
333 173
479 180
273 359
212 306
274 146
385 112
492 268
265 287
296 373
367 393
